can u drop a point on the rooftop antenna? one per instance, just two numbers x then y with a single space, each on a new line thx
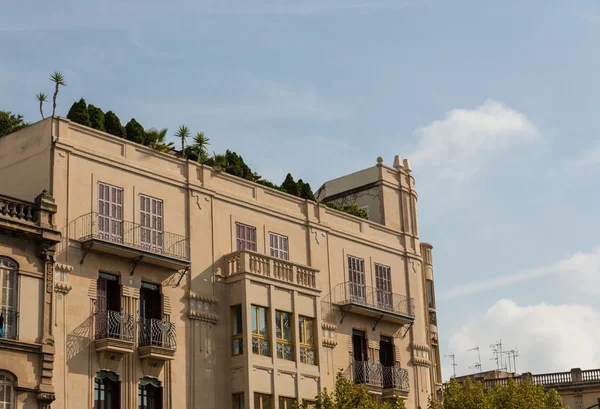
451 356
508 360
497 351
515 354
477 365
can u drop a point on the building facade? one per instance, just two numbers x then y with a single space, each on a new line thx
182 287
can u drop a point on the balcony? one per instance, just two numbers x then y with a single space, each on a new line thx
246 261
373 303
115 332
376 377
130 240
11 323
395 380
157 339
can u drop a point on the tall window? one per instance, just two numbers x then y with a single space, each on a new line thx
151 220
8 299
260 331
383 282
7 391
356 277
110 212
286 403
435 360
279 246
238 400
107 391
149 394
237 331
306 328
262 401
246 237
430 300
283 331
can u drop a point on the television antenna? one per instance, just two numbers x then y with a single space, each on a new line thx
451 356
477 364
497 351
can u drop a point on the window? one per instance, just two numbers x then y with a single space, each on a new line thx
151 221
107 391
237 331
309 404
279 246
286 403
262 401
356 277
108 306
246 237
435 360
7 391
430 300
238 400
283 331
149 394
8 299
110 212
260 331
307 340
383 282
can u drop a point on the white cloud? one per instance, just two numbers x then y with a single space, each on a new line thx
548 337
580 271
456 147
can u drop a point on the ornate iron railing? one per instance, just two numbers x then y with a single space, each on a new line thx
308 355
156 332
10 330
261 346
116 325
367 373
94 226
396 378
352 293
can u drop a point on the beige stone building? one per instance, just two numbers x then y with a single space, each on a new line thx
177 286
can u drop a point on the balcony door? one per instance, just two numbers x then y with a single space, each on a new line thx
151 315
359 353
383 282
356 278
151 220
110 212
386 358
108 306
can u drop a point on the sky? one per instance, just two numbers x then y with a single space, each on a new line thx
493 103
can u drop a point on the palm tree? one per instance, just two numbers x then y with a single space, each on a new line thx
156 139
183 132
41 97
198 150
59 79
217 162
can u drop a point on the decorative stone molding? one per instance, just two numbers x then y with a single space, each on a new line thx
204 298
418 361
328 326
203 316
420 347
203 308
62 287
329 343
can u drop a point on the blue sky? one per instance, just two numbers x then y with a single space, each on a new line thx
494 103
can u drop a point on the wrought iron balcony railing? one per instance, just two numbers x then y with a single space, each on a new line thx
115 325
395 377
373 301
154 332
376 375
11 324
93 226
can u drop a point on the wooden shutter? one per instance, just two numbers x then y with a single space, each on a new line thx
110 212
151 220
245 237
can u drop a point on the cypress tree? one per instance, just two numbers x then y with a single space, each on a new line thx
289 185
112 124
96 118
79 113
305 190
135 132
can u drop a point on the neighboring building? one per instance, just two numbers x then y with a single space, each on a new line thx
184 287
27 350
578 389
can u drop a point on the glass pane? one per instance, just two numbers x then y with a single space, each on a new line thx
254 323
2 393
263 321
278 315
287 331
309 332
237 319
301 329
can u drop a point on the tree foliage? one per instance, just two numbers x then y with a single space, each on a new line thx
135 132
79 113
10 122
96 118
346 395
352 209
156 139
112 124
516 395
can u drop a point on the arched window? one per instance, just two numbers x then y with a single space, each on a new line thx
7 391
149 394
8 299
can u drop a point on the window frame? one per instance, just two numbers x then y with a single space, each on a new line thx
237 335
278 251
430 294
8 382
238 403
111 389
155 384
10 269
260 402
159 240
285 402
279 321
383 286
245 243
357 278
435 361
114 232
303 336
257 335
